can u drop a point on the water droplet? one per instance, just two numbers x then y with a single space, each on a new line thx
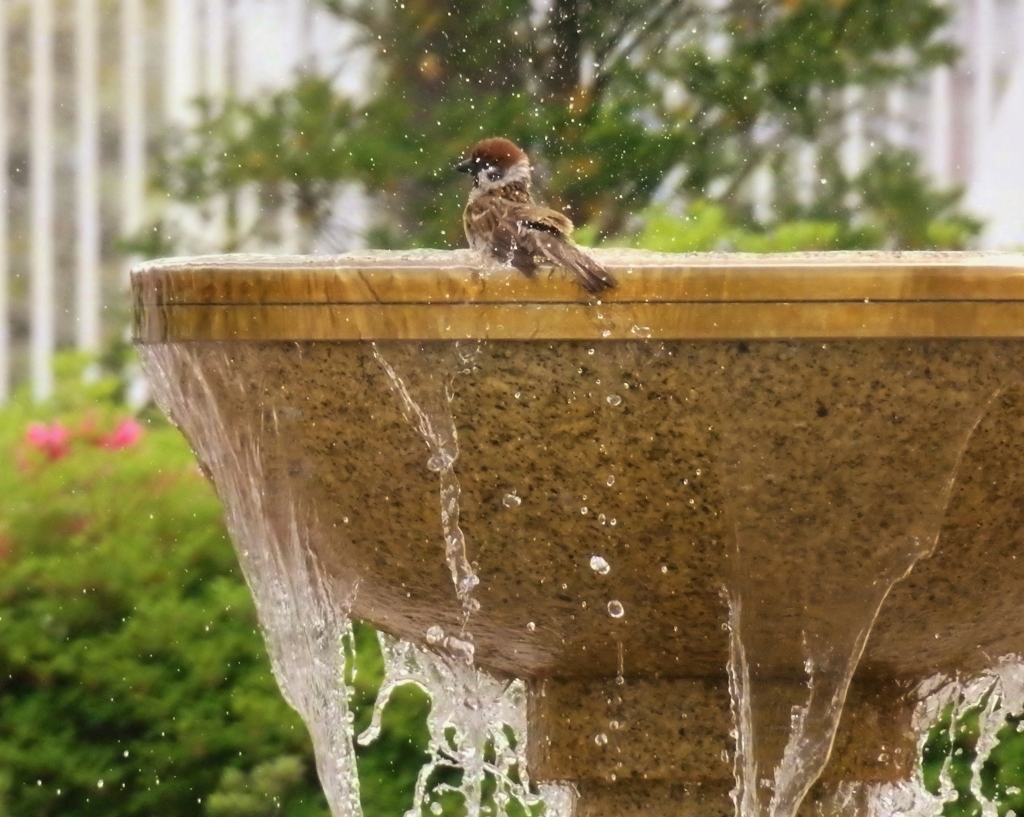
613 521
512 500
531 626
601 739
664 568
606 333
436 808
614 400
584 510
601 518
435 635
590 351
614 725
461 648
440 461
697 472
610 481
599 565
641 331
518 394
615 609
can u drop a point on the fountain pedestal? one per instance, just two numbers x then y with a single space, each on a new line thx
676 513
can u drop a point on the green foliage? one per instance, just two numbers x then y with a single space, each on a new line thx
296 140
133 677
616 102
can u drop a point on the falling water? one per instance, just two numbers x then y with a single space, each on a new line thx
995 697
303 615
436 426
805 634
477 725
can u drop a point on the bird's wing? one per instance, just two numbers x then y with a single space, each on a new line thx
532 215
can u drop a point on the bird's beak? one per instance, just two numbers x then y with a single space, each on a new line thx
465 166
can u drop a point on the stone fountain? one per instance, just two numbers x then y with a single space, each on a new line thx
721 523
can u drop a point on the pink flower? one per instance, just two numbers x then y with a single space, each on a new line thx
51 440
127 433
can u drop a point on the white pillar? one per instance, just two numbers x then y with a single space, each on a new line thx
806 173
180 69
5 315
297 34
854 150
87 160
940 126
41 292
216 87
896 116
216 37
762 188
133 120
983 65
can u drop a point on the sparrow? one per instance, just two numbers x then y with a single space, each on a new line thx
503 221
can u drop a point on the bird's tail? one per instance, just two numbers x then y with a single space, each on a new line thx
564 253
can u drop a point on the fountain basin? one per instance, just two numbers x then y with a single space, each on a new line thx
764 451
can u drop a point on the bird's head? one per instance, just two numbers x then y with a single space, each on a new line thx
496 162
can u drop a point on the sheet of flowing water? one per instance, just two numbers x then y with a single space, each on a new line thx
477 723
825 518
303 615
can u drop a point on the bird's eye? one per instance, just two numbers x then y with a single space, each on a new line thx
493 174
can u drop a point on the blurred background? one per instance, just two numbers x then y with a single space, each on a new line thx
132 676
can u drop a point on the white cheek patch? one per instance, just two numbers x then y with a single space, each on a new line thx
519 172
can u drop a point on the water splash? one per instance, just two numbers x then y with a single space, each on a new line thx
993 697
477 725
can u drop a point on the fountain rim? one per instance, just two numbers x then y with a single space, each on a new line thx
450 295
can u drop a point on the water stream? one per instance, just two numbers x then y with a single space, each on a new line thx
477 723
302 612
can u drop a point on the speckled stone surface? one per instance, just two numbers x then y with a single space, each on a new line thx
838 452
804 475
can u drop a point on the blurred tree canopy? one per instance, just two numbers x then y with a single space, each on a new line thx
620 103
